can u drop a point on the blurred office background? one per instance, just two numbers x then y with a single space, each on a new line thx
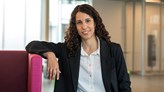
138 25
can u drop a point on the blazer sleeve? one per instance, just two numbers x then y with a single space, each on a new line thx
121 69
40 47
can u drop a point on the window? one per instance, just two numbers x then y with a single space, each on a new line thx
19 23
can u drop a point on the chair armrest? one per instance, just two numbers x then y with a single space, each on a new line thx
34 73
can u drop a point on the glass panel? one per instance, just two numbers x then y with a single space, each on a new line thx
137 37
14 25
1 23
21 22
162 38
133 36
152 36
54 16
33 20
129 35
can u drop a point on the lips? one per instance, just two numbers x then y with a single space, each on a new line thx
85 32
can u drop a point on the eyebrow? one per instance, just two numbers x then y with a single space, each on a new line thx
85 19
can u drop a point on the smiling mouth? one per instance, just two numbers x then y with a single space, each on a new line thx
85 32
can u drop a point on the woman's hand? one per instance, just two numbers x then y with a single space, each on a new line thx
52 66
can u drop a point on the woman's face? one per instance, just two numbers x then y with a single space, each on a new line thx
85 26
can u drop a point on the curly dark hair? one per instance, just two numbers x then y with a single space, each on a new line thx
72 38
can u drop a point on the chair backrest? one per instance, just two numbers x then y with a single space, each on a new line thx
20 72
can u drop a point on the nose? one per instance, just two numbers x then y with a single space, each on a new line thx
84 26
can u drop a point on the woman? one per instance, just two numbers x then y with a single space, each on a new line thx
87 61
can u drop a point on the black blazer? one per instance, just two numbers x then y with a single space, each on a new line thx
114 70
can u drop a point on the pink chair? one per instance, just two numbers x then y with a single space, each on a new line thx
20 71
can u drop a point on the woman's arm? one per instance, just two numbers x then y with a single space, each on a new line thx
46 50
52 65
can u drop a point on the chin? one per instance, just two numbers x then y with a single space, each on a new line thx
86 38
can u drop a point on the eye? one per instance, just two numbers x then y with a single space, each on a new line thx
88 20
79 22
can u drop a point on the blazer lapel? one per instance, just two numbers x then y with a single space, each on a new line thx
106 64
74 66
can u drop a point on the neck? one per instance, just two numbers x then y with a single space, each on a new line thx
90 46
